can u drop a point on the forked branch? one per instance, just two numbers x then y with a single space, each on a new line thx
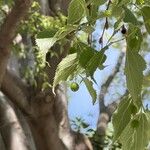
7 32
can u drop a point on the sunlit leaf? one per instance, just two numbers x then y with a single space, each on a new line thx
122 117
45 44
76 11
65 69
136 135
45 39
134 67
139 2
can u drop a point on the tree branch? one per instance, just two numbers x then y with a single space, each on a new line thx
11 129
8 29
106 112
105 86
16 91
105 117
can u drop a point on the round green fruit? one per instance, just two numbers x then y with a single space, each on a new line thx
74 86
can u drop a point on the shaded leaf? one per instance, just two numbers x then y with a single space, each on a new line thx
97 60
146 16
118 24
92 14
85 125
134 38
89 86
85 55
99 2
64 31
47 33
117 10
123 2
129 16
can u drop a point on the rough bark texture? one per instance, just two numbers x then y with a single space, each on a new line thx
8 29
11 129
42 121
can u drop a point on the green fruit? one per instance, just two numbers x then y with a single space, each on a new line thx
74 86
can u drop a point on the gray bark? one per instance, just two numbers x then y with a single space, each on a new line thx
2 145
11 129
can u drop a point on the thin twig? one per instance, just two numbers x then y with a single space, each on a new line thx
105 25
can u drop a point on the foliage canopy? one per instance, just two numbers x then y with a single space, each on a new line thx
131 128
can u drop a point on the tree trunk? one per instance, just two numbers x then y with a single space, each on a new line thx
42 121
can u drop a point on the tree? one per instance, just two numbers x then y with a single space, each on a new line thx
51 49
43 115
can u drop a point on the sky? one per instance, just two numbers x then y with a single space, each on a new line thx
80 102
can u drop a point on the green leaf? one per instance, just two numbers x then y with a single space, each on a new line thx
76 11
92 14
65 69
99 2
123 2
85 55
134 38
117 11
45 44
146 16
64 31
6 2
129 16
97 60
134 67
122 117
47 33
139 2
136 135
118 24
89 86
84 125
